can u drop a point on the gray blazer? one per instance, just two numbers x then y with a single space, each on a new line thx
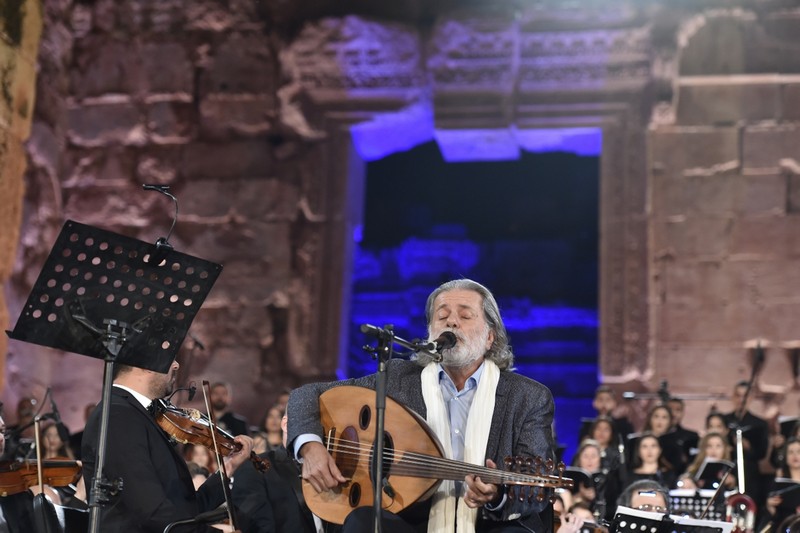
521 423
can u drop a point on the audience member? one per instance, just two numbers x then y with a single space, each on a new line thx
220 399
269 435
76 438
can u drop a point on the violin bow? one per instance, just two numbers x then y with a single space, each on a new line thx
226 489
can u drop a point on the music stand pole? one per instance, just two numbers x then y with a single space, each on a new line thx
98 495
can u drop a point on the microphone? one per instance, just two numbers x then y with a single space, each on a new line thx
63 432
444 341
191 388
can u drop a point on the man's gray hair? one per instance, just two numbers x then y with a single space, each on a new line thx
500 351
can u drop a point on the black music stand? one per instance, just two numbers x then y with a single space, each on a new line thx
693 502
627 520
115 298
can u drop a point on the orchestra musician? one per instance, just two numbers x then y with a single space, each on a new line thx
476 405
755 441
157 486
15 509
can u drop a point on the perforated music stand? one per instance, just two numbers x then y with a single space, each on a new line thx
627 520
115 298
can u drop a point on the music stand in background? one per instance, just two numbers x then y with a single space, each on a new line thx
118 299
627 520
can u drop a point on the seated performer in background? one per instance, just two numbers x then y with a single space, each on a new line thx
659 423
686 439
605 403
273 500
157 486
712 446
787 475
645 495
649 463
479 409
15 509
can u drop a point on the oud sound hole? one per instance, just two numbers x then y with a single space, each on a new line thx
355 494
388 454
364 417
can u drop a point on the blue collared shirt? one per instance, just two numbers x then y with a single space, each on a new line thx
458 404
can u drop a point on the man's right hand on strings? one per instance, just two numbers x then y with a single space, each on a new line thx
319 468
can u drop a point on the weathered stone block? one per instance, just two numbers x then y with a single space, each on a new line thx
727 99
793 192
243 63
692 283
763 194
167 68
763 282
171 120
791 101
110 167
231 160
701 237
676 149
105 122
255 199
108 66
700 324
762 236
764 146
223 116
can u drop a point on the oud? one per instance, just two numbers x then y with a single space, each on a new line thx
413 462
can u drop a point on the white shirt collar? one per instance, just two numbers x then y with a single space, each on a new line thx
141 398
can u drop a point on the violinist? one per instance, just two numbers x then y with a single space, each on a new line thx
157 486
15 509
755 441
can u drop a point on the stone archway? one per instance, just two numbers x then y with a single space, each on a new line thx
498 72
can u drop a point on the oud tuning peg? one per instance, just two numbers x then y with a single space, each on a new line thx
519 463
539 464
508 462
540 496
549 465
561 468
528 464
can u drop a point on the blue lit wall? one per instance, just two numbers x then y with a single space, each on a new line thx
527 229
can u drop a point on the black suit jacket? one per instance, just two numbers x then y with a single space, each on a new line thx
521 425
157 487
273 500
18 512
233 424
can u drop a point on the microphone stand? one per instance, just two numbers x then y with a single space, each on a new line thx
383 352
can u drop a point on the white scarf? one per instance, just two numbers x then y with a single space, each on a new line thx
446 504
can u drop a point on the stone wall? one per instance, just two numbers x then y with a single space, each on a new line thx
723 214
260 119
20 31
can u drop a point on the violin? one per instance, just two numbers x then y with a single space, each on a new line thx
19 476
190 426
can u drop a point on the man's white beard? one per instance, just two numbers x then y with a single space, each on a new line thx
466 351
